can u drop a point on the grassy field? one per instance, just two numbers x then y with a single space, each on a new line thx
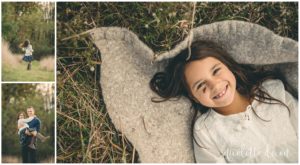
15 69
20 73
84 130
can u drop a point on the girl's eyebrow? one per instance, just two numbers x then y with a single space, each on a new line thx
199 81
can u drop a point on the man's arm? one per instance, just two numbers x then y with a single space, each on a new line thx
35 123
27 120
38 125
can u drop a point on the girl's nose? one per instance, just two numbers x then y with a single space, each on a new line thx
211 83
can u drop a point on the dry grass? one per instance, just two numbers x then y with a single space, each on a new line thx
47 63
8 58
11 159
14 159
84 130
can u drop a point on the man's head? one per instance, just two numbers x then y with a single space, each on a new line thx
30 111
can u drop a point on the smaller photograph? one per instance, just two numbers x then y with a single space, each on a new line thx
28 123
28 41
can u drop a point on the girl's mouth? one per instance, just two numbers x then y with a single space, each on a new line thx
222 93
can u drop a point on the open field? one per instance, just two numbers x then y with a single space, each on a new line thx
14 69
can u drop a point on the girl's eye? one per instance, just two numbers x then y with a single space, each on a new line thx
204 89
216 71
200 85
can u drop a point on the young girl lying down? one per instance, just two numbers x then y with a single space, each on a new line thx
244 114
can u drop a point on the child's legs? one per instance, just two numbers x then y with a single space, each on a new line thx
41 134
34 133
29 66
32 142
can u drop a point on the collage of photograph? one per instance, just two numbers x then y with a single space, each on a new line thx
28 82
149 82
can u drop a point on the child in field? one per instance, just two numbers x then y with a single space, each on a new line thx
27 48
245 115
23 126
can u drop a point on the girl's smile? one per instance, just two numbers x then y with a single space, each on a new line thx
221 94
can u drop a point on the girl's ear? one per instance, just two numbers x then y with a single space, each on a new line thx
193 98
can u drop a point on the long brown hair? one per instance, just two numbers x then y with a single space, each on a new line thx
25 44
20 114
24 114
171 83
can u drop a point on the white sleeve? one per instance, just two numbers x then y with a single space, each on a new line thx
277 90
30 48
292 103
27 119
205 150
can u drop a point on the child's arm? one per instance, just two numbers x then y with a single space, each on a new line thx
205 149
27 119
276 89
20 123
30 48
292 103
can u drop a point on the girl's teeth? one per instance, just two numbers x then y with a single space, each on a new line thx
221 94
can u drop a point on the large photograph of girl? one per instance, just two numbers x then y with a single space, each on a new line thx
28 123
28 41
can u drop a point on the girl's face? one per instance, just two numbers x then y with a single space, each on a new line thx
211 83
21 116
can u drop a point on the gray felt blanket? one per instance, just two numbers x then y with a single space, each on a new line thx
161 132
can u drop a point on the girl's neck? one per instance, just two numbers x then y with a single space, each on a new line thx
239 104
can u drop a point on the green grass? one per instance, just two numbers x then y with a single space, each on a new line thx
157 24
20 73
